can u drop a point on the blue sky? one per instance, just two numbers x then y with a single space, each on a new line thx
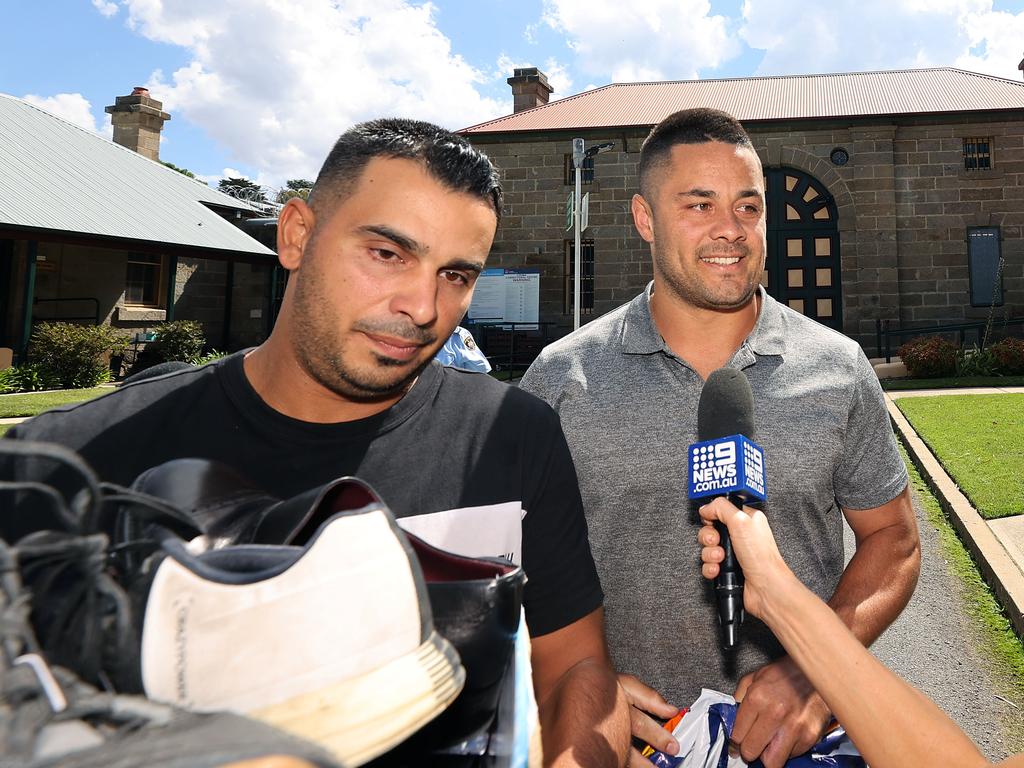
261 88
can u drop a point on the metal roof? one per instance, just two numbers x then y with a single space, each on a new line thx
791 97
59 177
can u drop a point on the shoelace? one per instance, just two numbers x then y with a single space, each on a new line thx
82 612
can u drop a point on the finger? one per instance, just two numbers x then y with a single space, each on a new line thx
757 738
781 747
708 536
646 698
742 686
709 570
650 732
712 554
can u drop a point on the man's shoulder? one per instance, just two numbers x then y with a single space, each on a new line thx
481 394
817 344
83 419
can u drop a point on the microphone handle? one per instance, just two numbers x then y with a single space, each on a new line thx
729 585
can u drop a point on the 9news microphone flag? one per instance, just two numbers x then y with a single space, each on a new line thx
726 462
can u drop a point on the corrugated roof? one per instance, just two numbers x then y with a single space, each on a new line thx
792 97
57 176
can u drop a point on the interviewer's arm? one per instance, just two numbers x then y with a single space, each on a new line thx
891 723
584 717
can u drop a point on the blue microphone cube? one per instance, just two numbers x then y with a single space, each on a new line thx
727 465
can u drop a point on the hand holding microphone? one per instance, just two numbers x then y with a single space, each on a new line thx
726 462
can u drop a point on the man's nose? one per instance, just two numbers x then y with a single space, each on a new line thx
417 296
728 226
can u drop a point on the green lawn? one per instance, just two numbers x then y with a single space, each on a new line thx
31 403
979 440
895 385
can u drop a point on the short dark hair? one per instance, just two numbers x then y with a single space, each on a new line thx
688 126
449 158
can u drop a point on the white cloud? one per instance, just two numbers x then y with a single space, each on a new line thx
276 82
73 107
655 40
861 35
105 7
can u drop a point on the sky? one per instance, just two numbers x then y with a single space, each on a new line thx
262 88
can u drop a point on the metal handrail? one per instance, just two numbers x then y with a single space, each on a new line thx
884 334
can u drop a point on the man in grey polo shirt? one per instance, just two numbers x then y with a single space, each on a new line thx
626 388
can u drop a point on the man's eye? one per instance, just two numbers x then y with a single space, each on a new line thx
455 278
701 206
385 255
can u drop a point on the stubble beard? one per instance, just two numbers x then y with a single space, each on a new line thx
693 291
321 350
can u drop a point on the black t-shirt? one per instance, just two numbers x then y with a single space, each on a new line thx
460 460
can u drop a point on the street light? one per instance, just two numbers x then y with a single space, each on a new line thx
579 155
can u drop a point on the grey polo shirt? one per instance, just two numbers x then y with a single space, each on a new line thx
628 406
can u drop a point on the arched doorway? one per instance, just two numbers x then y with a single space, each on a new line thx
802 269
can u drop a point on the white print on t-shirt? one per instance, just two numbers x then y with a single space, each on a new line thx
493 530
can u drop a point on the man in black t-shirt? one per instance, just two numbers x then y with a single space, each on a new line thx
382 262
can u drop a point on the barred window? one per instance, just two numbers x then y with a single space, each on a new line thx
977 153
586 170
142 279
586 277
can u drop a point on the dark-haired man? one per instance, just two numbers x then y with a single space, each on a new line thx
382 263
626 387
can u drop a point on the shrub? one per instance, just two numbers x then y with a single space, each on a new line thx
73 356
209 357
28 377
178 340
1009 356
976 362
929 357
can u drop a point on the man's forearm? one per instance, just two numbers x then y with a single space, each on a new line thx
585 719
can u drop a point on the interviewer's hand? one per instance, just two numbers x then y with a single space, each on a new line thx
764 570
643 700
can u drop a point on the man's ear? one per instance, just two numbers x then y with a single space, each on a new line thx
294 228
643 217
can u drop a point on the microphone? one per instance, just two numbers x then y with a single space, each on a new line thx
726 462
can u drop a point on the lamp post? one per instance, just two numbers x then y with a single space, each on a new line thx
579 155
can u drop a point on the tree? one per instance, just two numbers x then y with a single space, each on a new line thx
295 188
182 171
243 189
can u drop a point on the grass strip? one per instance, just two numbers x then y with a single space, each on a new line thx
997 641
31 403
979 440
896 385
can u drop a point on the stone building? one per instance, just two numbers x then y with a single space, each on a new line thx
92 232
892 195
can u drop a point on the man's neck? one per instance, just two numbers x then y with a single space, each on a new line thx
282 383
705 338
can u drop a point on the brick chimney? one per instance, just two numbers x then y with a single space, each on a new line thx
1021 65
138 120
529 88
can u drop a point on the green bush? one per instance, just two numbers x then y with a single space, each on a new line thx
976 362
1009 356
929 357
177 340
209 357
28 377
72 356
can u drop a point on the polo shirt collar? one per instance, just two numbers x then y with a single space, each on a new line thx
641 337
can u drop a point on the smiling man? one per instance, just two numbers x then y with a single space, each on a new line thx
626 387
382 262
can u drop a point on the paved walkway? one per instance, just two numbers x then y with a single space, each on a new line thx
996 545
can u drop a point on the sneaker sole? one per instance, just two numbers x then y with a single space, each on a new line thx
363 717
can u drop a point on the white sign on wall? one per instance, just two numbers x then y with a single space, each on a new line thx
507 295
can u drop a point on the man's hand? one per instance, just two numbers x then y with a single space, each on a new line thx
780 715
643 700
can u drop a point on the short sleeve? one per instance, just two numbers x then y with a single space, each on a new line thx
871 472
562 583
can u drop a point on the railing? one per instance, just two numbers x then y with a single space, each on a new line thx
95 316
884 333
511 346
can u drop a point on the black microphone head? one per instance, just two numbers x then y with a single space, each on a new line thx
726 406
